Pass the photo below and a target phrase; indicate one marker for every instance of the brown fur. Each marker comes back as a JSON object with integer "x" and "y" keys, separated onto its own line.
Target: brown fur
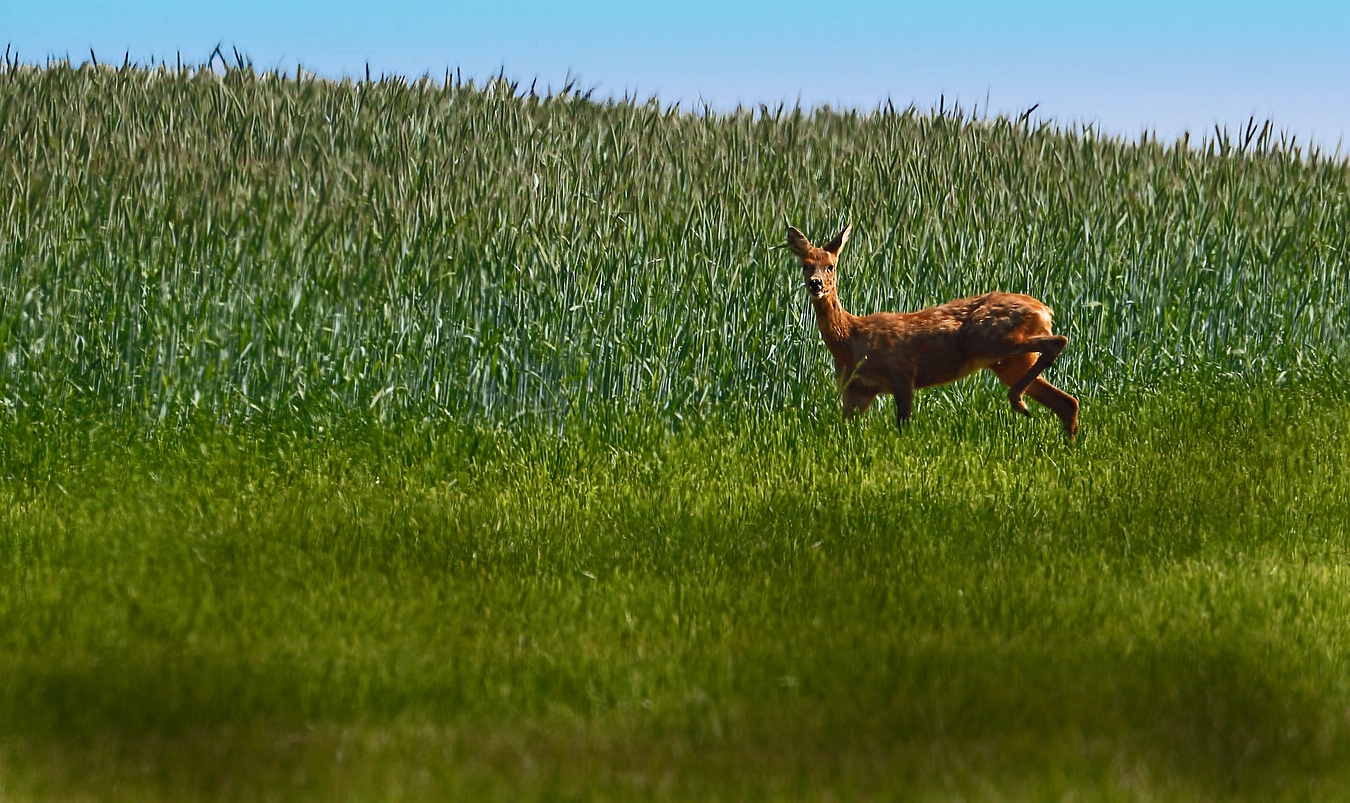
{"x": 889, "y": 352}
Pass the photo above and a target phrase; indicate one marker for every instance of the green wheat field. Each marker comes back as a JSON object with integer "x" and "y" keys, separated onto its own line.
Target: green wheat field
{"x": 406, "y": 440}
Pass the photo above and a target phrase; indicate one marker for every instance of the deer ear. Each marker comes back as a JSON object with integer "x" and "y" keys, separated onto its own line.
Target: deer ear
{"x": 798, "y": 243}
{"x": 837, "y": 244}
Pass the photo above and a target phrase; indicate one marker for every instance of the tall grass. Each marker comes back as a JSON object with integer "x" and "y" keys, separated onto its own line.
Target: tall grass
{"x": 182, "y": 242}
{"x": 342, "y": 453}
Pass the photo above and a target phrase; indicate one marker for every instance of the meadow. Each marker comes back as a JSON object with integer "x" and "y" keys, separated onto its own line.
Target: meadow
{"x": 424, "y": 439}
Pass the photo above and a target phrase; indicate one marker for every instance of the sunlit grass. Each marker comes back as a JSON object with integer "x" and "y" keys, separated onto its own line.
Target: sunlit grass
{"x": 797, "y": 606}
{"x": 260, "y": 245}
{"x": 400, "y": 440}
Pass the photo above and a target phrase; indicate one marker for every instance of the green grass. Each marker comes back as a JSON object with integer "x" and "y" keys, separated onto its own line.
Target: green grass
{"x": 400, "y": 441}
{"x": 793, "y": 608}
{"x": 260, "y": 247}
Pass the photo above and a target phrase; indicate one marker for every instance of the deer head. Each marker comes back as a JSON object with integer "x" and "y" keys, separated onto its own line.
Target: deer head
{"x": 818, "y": 264}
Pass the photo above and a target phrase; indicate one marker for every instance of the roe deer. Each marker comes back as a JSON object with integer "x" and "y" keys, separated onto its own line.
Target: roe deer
{"x": 889, "y": 352}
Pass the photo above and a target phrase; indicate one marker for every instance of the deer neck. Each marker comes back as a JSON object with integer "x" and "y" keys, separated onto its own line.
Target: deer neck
{"x": 835, "y": 324}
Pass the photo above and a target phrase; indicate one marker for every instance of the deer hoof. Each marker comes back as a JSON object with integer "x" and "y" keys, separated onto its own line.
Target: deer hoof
{"x": 1019, "y": 406}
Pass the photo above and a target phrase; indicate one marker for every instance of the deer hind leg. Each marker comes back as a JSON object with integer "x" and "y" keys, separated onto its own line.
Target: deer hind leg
{"x": 1048, "y": 347}
{"x": 1015, "y": 369}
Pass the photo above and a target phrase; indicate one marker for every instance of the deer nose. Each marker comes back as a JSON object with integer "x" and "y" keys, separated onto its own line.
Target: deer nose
{"x": 815, "y": 284}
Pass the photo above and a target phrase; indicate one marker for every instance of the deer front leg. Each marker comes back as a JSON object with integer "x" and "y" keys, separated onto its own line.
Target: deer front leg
{"x": 904, "y": 400}
{"x": 856, "y": 400}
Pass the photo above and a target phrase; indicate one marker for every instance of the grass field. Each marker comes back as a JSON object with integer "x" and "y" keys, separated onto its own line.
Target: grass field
{"x": 397, "y": 440}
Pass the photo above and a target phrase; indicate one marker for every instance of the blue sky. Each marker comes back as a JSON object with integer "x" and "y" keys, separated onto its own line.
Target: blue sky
{"x": 1125, "y": 67}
